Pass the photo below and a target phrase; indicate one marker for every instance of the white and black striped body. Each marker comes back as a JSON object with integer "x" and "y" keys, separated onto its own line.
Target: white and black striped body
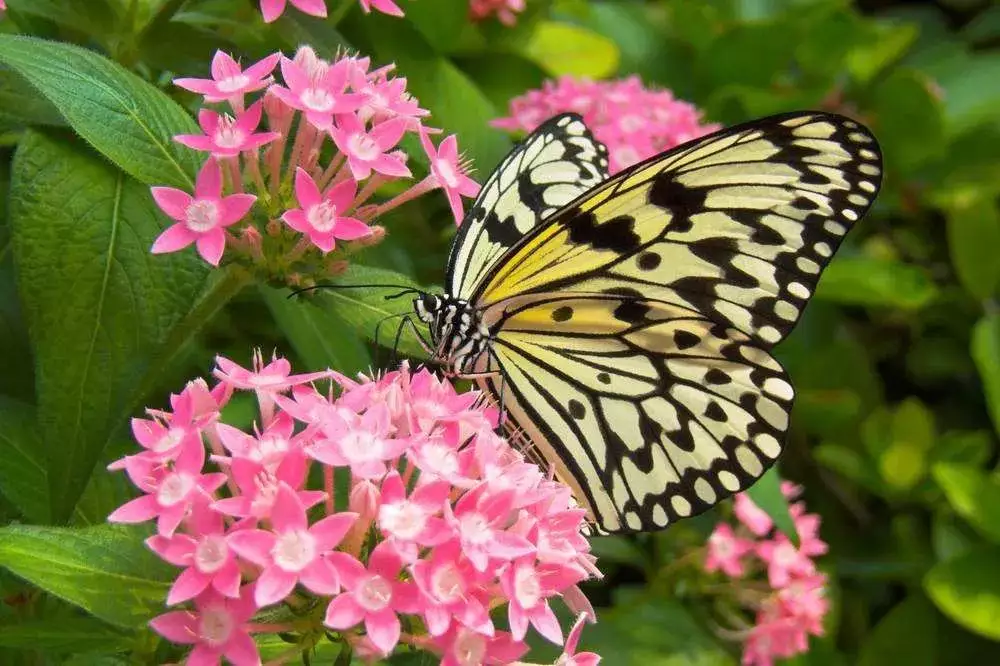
{"x": 458, "y": 336}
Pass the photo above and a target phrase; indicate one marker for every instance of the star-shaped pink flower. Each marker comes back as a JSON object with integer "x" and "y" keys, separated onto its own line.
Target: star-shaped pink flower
{"x": 321, "y": 217}
{"x": 225, "y": 136}
{"x": 229, "y": 80}
{"x": 366, "y": 150}
{"x": 272, "y": 9}
{"x": 448, "y": 172}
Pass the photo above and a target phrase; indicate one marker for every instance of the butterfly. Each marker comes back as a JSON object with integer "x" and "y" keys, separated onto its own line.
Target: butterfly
{"x": 625, "y": 323}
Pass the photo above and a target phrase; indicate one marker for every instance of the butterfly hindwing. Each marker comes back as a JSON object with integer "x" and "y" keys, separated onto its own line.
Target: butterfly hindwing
{"x": 737, "y": 225}
{"x": 650, "y": 411}
{"x": 552, "y": 166}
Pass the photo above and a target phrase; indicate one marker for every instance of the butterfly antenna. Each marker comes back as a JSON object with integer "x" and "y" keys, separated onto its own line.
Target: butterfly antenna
{"x": 404, "y": 289}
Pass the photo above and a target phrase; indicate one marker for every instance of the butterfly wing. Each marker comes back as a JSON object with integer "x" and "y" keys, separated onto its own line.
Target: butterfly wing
{"x": 691, "y": 266}
{"x": 554, "y": 165}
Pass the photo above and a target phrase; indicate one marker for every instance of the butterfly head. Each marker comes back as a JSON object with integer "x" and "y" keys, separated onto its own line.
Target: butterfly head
{"x": 458, "y": 335}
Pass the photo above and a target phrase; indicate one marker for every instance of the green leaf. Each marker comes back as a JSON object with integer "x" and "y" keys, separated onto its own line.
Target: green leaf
{"x": 106, "y": 570}
{"x": 849, "y": 464}
{"x": 127, "y": 120}
{"x": 320, "y": 336}
{"x": 910, "y": 120}
{"x": 885, "y": 43}
{"x": 967, "y": 589}
{"x": 65, "y": 636}
{"x": 21, "y": 105}
{"x": 363, "y": 309}
{"x": 22, "y": 465}
{"x": 971, "y": 96}
{"x": 906, "y": 636}
{"x": 440, "y": 22}
{"x": 986, "y": 354}
{"x": 97, "y": 17}
{"x": 766, "y": 493}
{"x": 876, "y": 282}
{"x": 966, "y": 447}
{"x": 903, "y": 462}
{"x": 973, "y": 238}
{"x": 100, "y": 308}
{"x": 564, "y": 49}
{"x": 973, "y": 495}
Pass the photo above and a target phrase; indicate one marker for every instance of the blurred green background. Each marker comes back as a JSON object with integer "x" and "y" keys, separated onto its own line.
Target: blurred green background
{"x": 896, "y": 361}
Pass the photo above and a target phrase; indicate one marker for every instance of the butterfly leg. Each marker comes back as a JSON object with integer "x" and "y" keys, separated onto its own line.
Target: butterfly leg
{"x": 378, "y": 328}
{"x": 408, "y": 321}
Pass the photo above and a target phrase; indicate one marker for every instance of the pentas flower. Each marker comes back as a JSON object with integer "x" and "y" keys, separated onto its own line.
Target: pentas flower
{"x": 789, "y": 604}
{"x": 298, "y": 149}
{"x": 505, "y": 11}
{"x": 272, "y": 9}
{"x": 633, "y": 121}
{"x": 443, "y": 521}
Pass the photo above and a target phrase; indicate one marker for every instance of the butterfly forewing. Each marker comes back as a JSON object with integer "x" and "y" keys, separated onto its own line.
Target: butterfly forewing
{"x": 554, "y": 165}
{"x": 632, "y": 328}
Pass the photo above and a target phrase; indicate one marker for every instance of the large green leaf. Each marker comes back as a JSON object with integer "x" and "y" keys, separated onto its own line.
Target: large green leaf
{"x": 910, "y": 121}
{"x": 878, "y": 282}
{"x": 967, "y": 589}
{"x": 22, "y": 463}
{"x": 974, "y": 496}
{"x": 64, "y": 636}
{"x": 973, "y": 238}
{"x": 106, "y": 570}
{"x": 907, "y": 636}
{"x": 100, "y": 308}
{"x": 564, "y": 49}
{"x": 127, "y": 120}
{"x": 986, "y": 354}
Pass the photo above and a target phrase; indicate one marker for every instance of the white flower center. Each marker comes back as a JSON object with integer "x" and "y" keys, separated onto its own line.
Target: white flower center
{"x": 446, "y": 174}
{"x": 404, "y": 520}
{"x": 475, "y": 528}
{"x": 441, "y": 459}
{"x": 361, "y": 446}
{"x": 374, "y": 594}
{"x": 227, "y": 135}
{"x": 174, "y": 489}
{"x": 363, "y": 147}
{"x": 527, "y": 588}
{"x": 447, "y": 584}
{"x": 215, "y": 626}
{"x": 723, "y": 547}
{"x": 171, "y": 439}
{"x": 232, "y": 83}
{"x": 322, "y": 216}
{"x": 202, "y": 215}
{"x": 469, "y": 648}
{"x": 785, "y": 555}
{"x": 317, "y": 99}
{"x": 211, "y": 553}
{"x": 269, "y": 449}
{"x": 294, "y": 550}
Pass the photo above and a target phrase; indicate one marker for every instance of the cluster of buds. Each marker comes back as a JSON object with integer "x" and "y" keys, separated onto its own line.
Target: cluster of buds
{"x": 633, "y": 121}
{"x": 438, "y": 522}
{"x": 298, "y": 187}
{"x": 773, "y": 579}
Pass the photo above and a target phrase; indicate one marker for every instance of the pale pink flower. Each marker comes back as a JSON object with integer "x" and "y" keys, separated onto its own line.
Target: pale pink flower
{"x": 505, "y": 10}
{"x": 218, "y": 627}
{"x": 453, "y": 589}
{"x": 225, "y": 136}
{"x": 229, "y": 81}
{"x": 317, "y": 91}
{"x": 752, "y": 516}
{"x": 201, "y": 219}
{"x": 569, "y": 656}
{"x": 272, "y": 9}
{"x": 480, "y": 519}
{"x": 448, "y": 172}
{"x": 362, "y": 443}
{"x": 385, "y": 98}
{"x": 265, "y": 380}
{"x": 528, "y": 585}
{"x": 384, "y": 6}
{"x": 784, "y": 560}
{"x": 320, "y": 216}
{"x": 726, "y": 551}
{"x": 170, "y": 490}
{"x": 461, "y": 646}
{"x": 258, "y": 487}
{"x": 205, "y": 554}
{"x": 374, "y": 596}
{"x": 409, "y": 523}
{"x": 293, "y": 552}
{"x": 366, "y": 150}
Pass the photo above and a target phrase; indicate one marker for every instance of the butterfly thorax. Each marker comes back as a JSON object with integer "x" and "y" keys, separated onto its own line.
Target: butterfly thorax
{"x": 458, "y": 335}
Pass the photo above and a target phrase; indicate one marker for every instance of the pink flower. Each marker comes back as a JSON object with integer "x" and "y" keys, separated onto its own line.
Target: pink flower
{"x": 272, "y": 9}
{"x": 217, "y": 628}
{"x": 384, "y": 98}
{"x": 225, "y": 136}
{"x": 752, "y": 516}
{"x": 366, "y": 149}
{"x": 465, "y": 647}
{"x": 505, "y": 10}
{"x": 229, "y": 81}
{"x": 293, "y": 552}
{"x": 259, "y": 486}
{"x": 265, "y": 380}
{"x": 319, "y": 217}
{"x": 528, "y": 586}
{"x": 784, "y": 560}
{"x": 480, "y": 519}
{"x": 452, "y": 587}
{"x": 360, "y": 442}
{"x": 726, "y": 551}
{"x": 170, "y": 490}
{"x": 206, "y": 556}
{"x": 318, "y": 91}
{"x": 200, "y": 219}
{"x": 570, "y": 657}
{"x": 409, "y": 523}
{"x": 374, "y": 595}
{"x": 448, "y": 173}
{"x": 384, "y": 6}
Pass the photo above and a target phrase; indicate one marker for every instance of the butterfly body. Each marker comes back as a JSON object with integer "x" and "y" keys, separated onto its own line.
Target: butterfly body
{"x": 626, "y": 322}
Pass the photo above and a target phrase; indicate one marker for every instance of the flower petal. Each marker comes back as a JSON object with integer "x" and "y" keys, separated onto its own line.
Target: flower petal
{"x": 343, "y": 612}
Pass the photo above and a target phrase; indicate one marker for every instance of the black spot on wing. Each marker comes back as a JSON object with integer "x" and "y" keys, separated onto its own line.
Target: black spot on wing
{"x": 617, "y": 234}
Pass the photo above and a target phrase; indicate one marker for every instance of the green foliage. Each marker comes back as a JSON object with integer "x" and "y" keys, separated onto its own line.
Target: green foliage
{"x": 896, "y": 362}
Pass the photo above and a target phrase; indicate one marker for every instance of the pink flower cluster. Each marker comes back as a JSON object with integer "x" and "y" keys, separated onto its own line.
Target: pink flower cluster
{"x": 633, "y": 121}
{"x": 506, "y": 11}
{"x": 792, "y": 603}
{"x": 442, "y": 520}
{"x": 272, "y": 9}
{"x": 332, "y": 137}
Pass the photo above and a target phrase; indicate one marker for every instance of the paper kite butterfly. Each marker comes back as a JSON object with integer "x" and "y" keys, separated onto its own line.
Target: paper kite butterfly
{"x": 626, "y": 322}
